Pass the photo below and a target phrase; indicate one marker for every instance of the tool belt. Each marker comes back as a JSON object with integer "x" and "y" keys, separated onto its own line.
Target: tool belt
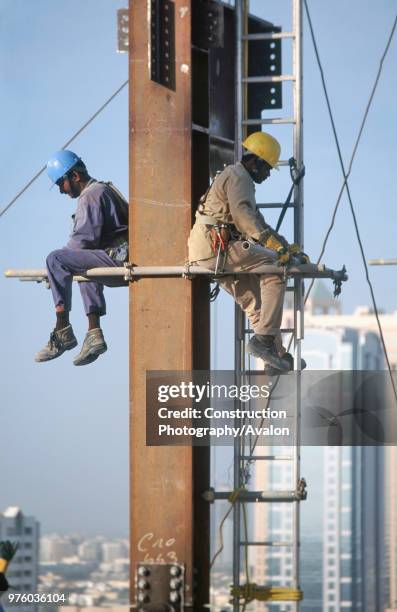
{"x": 220, "y": 236}
{"x": 220, "y": 233}
{"x": 119, "y": 249}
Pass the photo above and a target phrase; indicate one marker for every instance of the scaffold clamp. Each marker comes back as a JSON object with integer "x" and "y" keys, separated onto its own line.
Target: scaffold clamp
{"x": 301, "y": 490}
{"x": 187, "y": 273}
{"x": 129, "y": 272}
{"x": 340, "y": 276}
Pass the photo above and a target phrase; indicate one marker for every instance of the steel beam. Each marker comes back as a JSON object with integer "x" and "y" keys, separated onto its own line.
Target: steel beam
{"x": 169, "y": 518}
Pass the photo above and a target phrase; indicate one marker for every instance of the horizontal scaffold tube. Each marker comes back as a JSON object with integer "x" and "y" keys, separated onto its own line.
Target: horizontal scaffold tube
{"x": 130, "y": 272}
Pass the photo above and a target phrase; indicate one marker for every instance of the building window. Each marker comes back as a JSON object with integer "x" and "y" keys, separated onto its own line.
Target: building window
{"x": 274, "y": 566}
{"x": 27, "y": 573}
{"x": 346, "y": 520}
{"x": 27, "y": 545}
{"x": 27, "y": 559}
{"x": 28, "y": 530}
{"x": 345, "y": 590}
{"x": 11, "y": 531}
{"x": 275, "y": 521}
{"x": 346, "y": 569}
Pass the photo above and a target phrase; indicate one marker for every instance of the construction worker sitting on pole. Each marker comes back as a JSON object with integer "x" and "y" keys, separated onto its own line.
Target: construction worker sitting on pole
{"x": 231, "y": 235}
{"x": 99, "y": 239}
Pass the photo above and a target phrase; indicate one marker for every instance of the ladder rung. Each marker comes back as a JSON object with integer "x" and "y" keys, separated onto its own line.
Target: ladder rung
{"x": 275, "y": 205}
{"x": 200, "y": 128}
{"x": 200, "y": 49}
{"x": 275, "y": 121}
{"x": 204, "y": 130}
{"x": 275, "y": 543}
{"x": 267, "y": 457}
{"x": 257, "y": 496}
{"x": 269, "y": 36}
{"x": 269, "y": 79}
{"x": 283, "y": 330}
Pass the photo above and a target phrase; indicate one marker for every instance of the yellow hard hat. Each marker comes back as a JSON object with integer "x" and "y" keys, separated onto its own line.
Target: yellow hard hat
{"x": 265, "y": 146}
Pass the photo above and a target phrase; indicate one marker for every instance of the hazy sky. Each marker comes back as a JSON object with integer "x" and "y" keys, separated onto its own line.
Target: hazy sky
{"x": 64, "y": 430}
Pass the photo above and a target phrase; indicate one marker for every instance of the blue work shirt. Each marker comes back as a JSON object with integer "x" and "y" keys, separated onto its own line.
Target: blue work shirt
{"x": 101, "y": 217}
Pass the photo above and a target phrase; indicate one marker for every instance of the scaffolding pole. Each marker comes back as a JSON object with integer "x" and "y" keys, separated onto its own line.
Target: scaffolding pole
{"x": 136, "y": 272}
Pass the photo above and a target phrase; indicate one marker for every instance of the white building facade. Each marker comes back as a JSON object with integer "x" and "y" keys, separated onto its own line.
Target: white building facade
{"x": 348, "y": 568}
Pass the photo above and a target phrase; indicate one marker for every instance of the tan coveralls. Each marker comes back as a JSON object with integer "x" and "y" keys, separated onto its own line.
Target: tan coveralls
{"x": 231, "y": 199}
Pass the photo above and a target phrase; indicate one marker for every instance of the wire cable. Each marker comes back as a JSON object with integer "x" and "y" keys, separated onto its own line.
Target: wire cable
{"x": 83, "y": 127}
{"x": 359, "y": 133}
{"x": 345, "y": 176}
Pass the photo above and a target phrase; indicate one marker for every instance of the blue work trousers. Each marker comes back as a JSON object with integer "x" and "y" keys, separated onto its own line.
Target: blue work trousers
{"x": 62, "y": 264}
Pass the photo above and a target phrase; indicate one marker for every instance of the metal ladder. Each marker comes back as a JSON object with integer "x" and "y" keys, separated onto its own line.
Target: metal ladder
{"x": 242, "y": 365}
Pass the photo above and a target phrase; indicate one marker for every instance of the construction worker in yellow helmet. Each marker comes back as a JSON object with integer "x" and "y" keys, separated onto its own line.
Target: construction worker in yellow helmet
{"x": 231, "y": 235}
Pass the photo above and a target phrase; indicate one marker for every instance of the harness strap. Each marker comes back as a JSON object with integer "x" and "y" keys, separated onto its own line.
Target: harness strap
{"x": 296, "y": 178}
{"x": 202, "y": 219}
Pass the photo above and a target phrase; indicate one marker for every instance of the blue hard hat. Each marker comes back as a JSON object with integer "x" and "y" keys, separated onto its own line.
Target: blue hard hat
{"x": 60, "y": 163}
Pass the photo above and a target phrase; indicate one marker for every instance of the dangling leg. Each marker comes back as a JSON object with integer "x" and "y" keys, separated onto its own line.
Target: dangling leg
{"x": 95, "y": 307}
{"x": 62, "y": 337}
{"x": 62, "y": 264}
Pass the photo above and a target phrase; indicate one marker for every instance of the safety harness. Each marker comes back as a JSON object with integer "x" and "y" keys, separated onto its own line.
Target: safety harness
{"x": 118, "y": 251}
{"x": 296, "y": 177}
{"x": 222, "y": 233}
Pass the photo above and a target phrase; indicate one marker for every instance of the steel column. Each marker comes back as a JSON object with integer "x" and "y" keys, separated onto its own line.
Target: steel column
{"x": 169, "y": 519}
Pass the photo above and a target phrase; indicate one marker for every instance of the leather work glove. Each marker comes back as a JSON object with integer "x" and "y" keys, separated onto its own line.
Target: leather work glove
{"x": 283, "y": 257}
{"x": 300, "y": 256}
{"x": 276, "y": 242}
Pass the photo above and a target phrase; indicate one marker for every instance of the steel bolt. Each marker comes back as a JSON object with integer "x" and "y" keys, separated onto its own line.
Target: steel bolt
{"x": 143, "y": 584}
{"x": 142, "y": 598}
{"x": 175, "y": 570}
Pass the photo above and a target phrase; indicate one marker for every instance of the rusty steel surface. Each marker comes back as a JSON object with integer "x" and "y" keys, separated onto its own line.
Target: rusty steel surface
{"x": 167, "y": 511}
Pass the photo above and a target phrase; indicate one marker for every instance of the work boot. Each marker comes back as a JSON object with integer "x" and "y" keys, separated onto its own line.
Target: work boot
{"x": 287, "y": 358}
{"x": 94, "y": 345}
{"x": 263, "y": 347}
{"x": 61, "y": 340}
